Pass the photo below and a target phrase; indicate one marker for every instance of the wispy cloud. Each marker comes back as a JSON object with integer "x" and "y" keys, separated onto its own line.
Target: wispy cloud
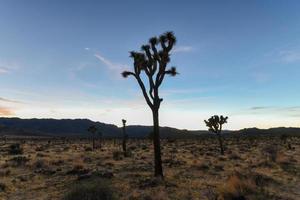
{"x": 9, "y": 100}
{"x": 261, "y": 77}
{"x": 180, "y": 49}
{"x": 3, "y": 70}
{"x": 290, "y": 56}
{"x": 183, "y": 91}
{"x": 291, "y": 111}
{"x": 7, "y": 67}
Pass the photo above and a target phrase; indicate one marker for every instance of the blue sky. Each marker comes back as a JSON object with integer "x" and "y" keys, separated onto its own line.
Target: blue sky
{"x": 62, "y": 59}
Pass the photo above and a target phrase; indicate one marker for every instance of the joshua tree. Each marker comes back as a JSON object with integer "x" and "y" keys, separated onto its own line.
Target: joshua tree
{"x": 215, "y": 124}
{"x": 153, "y": 60}
{"x": 93, "y": 130}
{"x": 125, "y": 136}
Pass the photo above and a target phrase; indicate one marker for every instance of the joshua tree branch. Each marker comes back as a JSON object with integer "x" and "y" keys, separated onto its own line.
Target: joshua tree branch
{"x": 142, "y": 86}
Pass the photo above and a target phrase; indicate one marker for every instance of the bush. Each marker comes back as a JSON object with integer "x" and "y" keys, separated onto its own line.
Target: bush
{"x": 94, "y": 189}
{"x": 117, "y": 155}
{"x": 2, "y": 187}
{"x": 19, "y": 161}
{"x": 271, "y": 152}
{"x": 88, "y": 149}
{"x": 15, "y": 149}
{"x": 40, "y": 164}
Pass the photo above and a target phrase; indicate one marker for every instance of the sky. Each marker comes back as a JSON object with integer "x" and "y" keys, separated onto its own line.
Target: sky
{"x": 63, "y": 59}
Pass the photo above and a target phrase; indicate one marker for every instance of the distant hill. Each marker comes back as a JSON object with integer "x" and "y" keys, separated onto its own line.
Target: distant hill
{"x": 78, "y": 127}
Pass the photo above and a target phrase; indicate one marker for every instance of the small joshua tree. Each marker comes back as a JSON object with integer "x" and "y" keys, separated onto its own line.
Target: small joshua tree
{"x": 125, "y": 136}
{"x": 93, "y": 130}
{"x": 215, "y": 124}
{"x": 153, "y": 60}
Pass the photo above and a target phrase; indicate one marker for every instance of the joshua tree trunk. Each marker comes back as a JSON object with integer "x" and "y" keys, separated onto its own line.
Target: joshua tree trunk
{"x": 124, "y": 140}
{"x": 221, "y": 143}
{"x": 158, "y": 172}
{"x": 93, "y": 142}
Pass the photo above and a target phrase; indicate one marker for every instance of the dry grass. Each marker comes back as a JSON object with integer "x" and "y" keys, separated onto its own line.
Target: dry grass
{"x": 194, "y": 169}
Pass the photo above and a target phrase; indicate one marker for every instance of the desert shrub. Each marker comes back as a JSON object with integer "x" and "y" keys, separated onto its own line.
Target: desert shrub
{"x": 4, "y": 172}
{"x": 128, "y": 153}
{"x": 88, "y": 149}
{"x": 15, "y": 149}
{"x": 2, "y": 187}
{"x": 234, "y": 156}
{"x": 19, "y": 161}
{"x": 78, "y": 169}
{"x": 237, "y": 188}
{"x": 57, "y": 162}
{"x": 93, "y": 189}
{"x": 271, "y": 152}
{"x": 40, "y": 148}
{"x": 39, "y": 164}
{"x": 117, "y": 155}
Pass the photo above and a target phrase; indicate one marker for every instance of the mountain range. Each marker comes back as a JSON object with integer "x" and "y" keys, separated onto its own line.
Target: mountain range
{"x": 78, "y": 128}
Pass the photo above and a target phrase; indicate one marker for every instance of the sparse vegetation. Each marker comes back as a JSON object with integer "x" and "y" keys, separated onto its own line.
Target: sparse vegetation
{"x": 194, "y": 169}
{"x": 94, "y": 189}
{"x": 15, "y": 149}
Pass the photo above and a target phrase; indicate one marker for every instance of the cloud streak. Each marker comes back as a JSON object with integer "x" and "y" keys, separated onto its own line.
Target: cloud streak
{"x": 111, "y": 65}
{"x": 290, "y": 56}
{"x": 291, "y": 111}
{"x": 9, "y": 100}
{"x": 7, "y": 67}
{"x": 183, "y": 49}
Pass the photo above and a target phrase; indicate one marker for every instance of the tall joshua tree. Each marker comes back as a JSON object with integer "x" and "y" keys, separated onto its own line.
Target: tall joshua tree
{"x": 215, "y": 124}
{"x": 124, "y": 137}
{"x": 93, "y": 130}
{"x": 152, "y": 60}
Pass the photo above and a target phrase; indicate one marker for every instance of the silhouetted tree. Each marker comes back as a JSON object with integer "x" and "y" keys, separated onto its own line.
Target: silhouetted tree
{"x": 93, "y": 130}
{"x": 100, "y": 134}
{"x": 215, "y": 124}
{"x": 3, "y": 137}
{"x": 153, "y": 60}
{"x": 125, "y": 136}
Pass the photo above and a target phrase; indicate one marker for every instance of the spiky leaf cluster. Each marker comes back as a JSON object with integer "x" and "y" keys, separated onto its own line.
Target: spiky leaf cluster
{"x": 215, "y": 123}
{"x": 153, "y": 60}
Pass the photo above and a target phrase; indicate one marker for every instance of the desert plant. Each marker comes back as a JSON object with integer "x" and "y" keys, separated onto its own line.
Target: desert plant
{"x": 100, "y": 135}
{"x": 117, "y": 155}
{"x": 125, "y": 136}
{"x": 2, "y": 187}
{"x": 153, "y": 62}
{"x": 271, "y": 151}
{"x": 15, "y": 149}
{"x": 94, "y": 189}
{"x": 215, "y": 124}
{"x": 93, "y": 130}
